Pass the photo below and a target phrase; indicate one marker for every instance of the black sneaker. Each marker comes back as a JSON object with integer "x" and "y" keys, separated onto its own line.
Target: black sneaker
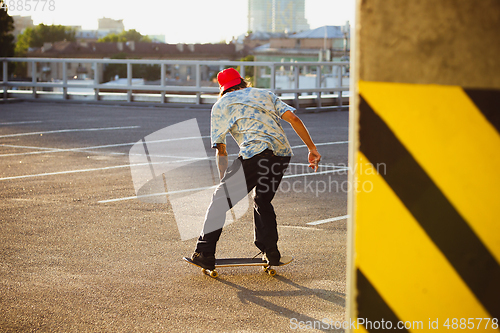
{"x": 205, "y": 260}
{"x": 272, "y": 257}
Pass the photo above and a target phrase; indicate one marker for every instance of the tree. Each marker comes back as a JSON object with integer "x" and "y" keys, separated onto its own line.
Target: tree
{"x": 111, "y": 70}
{"x": 131, "y": 35}
{"x": 6, "y": 37}
{"x": 37, "y": 36}
{"x": 249, "y": 70}
{"x": 147, "y": 72}
{"x": 111, "y": 38}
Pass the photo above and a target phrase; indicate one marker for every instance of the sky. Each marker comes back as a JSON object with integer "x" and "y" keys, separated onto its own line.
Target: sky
{"x": 181, "y": 21}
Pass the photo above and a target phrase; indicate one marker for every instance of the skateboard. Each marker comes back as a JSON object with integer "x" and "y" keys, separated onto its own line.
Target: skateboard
{"x": 236, "y": 262}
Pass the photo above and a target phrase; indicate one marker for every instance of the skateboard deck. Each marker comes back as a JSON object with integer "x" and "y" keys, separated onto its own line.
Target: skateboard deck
{"x": 236, "y": 262}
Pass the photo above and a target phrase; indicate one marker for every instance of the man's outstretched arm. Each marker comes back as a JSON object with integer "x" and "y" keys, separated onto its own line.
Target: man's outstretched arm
{"x": 222, "y": 159}
{"x": 298, "y": 126}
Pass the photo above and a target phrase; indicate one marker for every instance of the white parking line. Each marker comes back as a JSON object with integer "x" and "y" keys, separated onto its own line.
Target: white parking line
{"x": 86, "y": 149}
{"x": 204, "y": 188}
{"x": 21, "y": 122}
{"x": 93, "y": 169}
{"x": 158, "y": 194}
{"x": 52, "y": 150}
{"x": 65, "y": 172}
{"x": 69, "y": 130}
{"x": 299, "y": 227}
{"x": 45, "y": 150}
{"x": 338, "y": 218}
{"x": 129, "y": 165}
{"x": 28, "y": 147}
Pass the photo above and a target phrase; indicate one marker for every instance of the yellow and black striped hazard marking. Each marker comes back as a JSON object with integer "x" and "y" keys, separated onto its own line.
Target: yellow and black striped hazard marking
{"x": 427, "y": 214}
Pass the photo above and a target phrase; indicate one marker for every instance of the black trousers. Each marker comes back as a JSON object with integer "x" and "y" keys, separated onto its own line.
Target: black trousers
{"x": 263, "y": 172}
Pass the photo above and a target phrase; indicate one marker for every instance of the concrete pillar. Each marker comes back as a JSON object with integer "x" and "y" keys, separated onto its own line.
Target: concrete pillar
{"x": 424, "y": 237}
{"x": 451, "y": 42}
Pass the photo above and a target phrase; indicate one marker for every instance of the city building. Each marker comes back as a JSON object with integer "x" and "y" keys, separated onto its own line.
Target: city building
{"x": 21, "y": 23}
{"x": 89, "y": 35}
{"x": 257, "y": 38}
{"x": 277, "y": 16}
{"x": 327, "y": 43}
{"x": 110, "y": 26}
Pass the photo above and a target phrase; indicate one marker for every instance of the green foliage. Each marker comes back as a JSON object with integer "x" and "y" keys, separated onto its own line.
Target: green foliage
{"x": 249, "y": 70}
{"x": 146, "y": 72}
{"x": 249, "y": 57}
{"x": 6, "y": 37}
{"x": 23, "y": 42}
{"x": 37, "y": 36}
{"x": 111, "y": 38}
{"x": 131, "y": 35}
{"x": 111, "y": 70}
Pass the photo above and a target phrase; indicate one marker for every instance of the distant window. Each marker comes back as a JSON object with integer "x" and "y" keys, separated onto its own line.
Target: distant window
{"x": 68, "y": 65}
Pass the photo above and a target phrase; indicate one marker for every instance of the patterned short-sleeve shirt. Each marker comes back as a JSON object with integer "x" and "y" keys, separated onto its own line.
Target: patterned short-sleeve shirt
{"x": 252, "y": 117}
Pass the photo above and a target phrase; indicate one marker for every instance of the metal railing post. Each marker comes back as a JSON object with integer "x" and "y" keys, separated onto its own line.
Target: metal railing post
{"x": 339, "y": 94}
{"x": 129, "y": 82}
{"x": 5, "y": 79}
{"x": 242, "y": 71}
{"x": 255, "y": 75}
{"x": 198, "y": 82}
{"x": 340, "y": 75}
{"x": 33, "y": 77}
{"x": 296, "y": 74}
{"x": 96, "y": 81}
{"x": 162, "y": 84}
{"x": 65, "y": 81}
{"x": 318, "y": 85}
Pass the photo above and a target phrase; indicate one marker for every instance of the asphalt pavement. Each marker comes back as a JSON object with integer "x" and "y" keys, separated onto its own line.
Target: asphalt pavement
{"x": 80, "y": 253}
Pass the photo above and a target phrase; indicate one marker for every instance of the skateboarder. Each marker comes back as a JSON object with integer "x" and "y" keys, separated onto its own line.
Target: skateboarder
{"x": 252, "y": 117}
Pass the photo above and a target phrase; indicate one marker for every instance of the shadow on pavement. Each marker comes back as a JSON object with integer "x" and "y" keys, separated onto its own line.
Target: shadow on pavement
{"x": 246, "y": 295}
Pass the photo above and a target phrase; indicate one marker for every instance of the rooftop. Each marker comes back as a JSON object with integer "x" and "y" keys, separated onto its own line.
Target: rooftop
{"x": 330, "y": 31}
{"x": 137, "y": 49}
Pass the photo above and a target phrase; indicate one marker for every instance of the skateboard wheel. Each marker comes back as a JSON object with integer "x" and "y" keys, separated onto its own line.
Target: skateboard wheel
{"x": 213, "y": 274}
{"x": 271, "y": 272}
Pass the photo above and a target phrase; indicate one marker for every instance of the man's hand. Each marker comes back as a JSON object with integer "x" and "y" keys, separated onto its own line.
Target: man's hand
{"x": 314, "y": 157}
{"x": 222, "y": 159}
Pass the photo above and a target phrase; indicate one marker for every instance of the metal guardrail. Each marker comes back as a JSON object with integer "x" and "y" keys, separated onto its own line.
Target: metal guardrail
{"x": 320, "y": 95}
